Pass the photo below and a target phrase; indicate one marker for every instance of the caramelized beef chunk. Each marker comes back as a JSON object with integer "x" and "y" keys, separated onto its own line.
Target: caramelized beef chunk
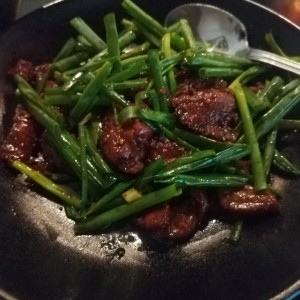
{"x": 124, "y": 146}
{"x": 206, "y": 107}
{"x": 246, "y": 202}
{"x": 177, "y": 220}
{"x": 26, "y": 69}
{"x": 23, "y": 68}
{"x": 160, "y": 146}
{"x": 22, "y": 139}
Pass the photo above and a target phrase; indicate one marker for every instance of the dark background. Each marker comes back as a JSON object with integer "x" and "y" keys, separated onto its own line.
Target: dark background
{"x": 14, "y": 9}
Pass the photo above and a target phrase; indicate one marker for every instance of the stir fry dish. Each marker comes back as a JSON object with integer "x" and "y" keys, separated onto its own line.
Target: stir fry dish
{"x": 148, "y": 125}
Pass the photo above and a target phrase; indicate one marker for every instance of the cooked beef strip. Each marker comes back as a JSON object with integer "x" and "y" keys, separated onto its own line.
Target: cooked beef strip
{"x": 177, "y": 219}
{"x": 246, "y": 202}
{"x": 22, "y": 139}
{"x": 31, "y": 73}
{"x": 23, "y": 68}
{"x": 160, "y": 146}
{"x": 206, "y": 107}
{"x": 124, "y": 146}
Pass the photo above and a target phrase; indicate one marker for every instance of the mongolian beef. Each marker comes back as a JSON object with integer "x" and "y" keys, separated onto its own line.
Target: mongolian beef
{"x": 148, "y": 124}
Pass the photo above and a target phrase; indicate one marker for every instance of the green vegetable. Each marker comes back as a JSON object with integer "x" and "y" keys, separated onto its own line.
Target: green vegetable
{"x": 47, "y": 184}
{"x": 82, "y": 28}
{"x": 112, "y": 40}
{"x": 259, "y": 178}
{"x": 188, "y": 34}
{"x": 70, "y": 61}
{"x": 208, "y": 159}
{"x": 272, "y": 89}
{"x": 116, "y": 191}
{"x": 283, "y": 163}
{"x": 271, "y": 118}
{"x": 219, "y": 72}
{"x": 205, "y": 180}
{"x": 168, "y": 53}
{"x": 269, "y": 151}
{"x": 126, "y": 210}
{"x": 159, "y": 85}
{"x": 86, "y": 100}
{"x": 141, "y": 16}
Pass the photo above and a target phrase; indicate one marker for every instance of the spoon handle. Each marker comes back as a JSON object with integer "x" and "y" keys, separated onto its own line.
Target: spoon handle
{"x": 275, "y": 60}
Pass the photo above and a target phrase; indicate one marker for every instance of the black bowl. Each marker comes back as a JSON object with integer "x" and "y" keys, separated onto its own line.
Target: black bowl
{"x": 42, "y": 259}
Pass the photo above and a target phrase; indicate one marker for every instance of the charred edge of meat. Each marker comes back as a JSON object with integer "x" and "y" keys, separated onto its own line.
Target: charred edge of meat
{"x": 207, "y": 107}
{"x": 246, "y": 203}
{"x": 161, "y": 147}
{"x": 21, "y": 142}
{"x": 31, "y": 73}
{"x": 177, "y": 220}
{"x": 124, "y": 146}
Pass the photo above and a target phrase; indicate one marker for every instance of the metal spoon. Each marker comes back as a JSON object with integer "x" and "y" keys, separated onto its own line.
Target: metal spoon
{"x": 225, "y": 32}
